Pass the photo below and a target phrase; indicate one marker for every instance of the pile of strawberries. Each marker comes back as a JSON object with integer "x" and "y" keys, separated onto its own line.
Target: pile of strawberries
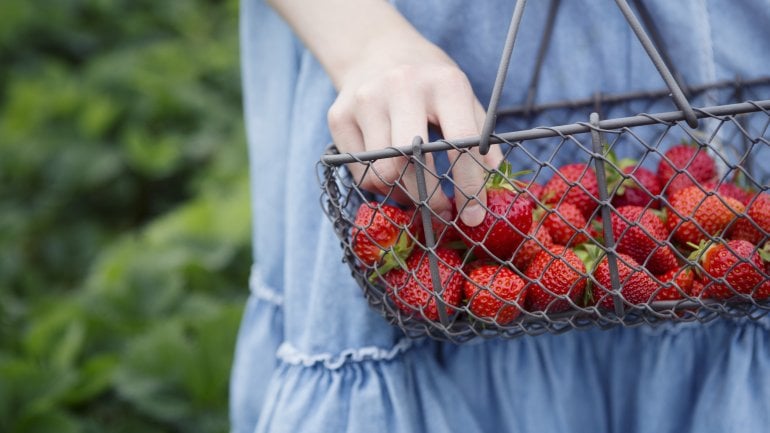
{"x": 679, "y": 233}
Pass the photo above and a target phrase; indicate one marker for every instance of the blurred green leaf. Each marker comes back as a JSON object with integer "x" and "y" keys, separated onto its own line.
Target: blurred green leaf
{"x": 124, "y": 216}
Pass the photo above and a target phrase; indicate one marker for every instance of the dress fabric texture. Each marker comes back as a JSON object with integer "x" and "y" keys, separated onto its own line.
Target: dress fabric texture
{"x": 313, "y": 357}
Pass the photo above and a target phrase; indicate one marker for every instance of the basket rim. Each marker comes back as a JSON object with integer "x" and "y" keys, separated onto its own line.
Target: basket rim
{"x": 333, "y": 158}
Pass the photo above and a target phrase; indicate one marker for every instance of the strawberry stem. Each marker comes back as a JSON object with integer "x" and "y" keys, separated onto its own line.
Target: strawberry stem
{"x": 394, "y": 257}
{"x": 504, "y": 176}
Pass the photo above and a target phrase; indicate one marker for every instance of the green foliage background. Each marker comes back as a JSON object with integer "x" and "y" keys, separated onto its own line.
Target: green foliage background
{"x": 124, "y": 216}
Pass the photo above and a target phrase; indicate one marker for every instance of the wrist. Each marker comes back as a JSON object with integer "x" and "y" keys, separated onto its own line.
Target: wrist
{"x": 342, "y": 34}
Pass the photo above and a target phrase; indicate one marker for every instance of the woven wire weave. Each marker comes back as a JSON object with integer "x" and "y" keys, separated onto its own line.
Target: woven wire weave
{"x": 734, "y": 130}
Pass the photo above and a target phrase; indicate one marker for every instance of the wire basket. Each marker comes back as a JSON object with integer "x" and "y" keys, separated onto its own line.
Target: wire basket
{"x": 619, "y": 222}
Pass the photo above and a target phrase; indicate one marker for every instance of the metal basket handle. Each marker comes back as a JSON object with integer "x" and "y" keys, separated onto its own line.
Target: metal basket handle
{"x": 518, "y": 11}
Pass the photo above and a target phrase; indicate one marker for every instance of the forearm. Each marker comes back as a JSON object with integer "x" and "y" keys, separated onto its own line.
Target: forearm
{"x": 337, "y": 32}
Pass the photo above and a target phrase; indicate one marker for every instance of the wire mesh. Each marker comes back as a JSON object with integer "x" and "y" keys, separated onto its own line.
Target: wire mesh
{"x": 626, "y": 221}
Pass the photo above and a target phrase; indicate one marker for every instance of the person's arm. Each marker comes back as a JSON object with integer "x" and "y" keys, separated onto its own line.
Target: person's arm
{"x": 392, "y": 83}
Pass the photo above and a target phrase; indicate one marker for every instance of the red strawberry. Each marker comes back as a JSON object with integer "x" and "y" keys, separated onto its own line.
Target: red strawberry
{"x": 727, "y": 189}
{"x": 738, "y": 262}
{"x": 507, "y": 221}
{"x": 638, "y": 190}
{"x": 681, "y": 160}
{"x": 763, "y": 291}
{"x": 643, "y": 238}
{"x": 575, "y": 184}
{"x": 539, "y": 240}
{"x": 444, "y": 232}
{"x": 489, "y": 291}
{"x": 532, "y": 189}
{"x": 596, "y": 229}
{"x": 677, "y": 277}
{"x": 698, "y": 286}
{"x": 377, "y": 228}
{"x": 709, "y": 211}
{"x": 758, "y": 211}
{"x": 636, "y": 285}
{"x": 560, "y": 272}
{"x": 560, "y": 225}
{"x": 412, "y": 289}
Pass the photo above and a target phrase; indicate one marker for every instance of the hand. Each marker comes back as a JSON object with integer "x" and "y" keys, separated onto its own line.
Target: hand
{"x": 399, "y": 84}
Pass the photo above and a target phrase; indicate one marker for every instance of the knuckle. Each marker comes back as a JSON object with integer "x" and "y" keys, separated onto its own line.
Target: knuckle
{"x": 469, "y": 186}
{"x": 469, "y": 179}
{"x": 338, "y": 117}
{"x": 401, "y": 75}
{"x": 453, "y": 77}
{"x": 366, "y": 95}
{"x": 369, "y": 183}
{"x": 386, "y": 171}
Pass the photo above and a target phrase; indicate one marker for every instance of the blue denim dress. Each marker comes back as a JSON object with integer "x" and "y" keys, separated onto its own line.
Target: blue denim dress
{"x": 313, "y": 357}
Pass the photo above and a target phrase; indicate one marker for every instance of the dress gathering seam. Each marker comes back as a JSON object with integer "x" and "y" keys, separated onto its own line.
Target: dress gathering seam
{"x": 291, "y": 355}
{"x": 261, "y": 290}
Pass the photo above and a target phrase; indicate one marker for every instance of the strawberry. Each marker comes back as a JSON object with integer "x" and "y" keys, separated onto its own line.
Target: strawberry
{"x": 762, "y": 292}
{"x": 561, "y": 222}
{"x": 532, "y": 189}
{"x": 575, "y": 184}
{"x": 711, "y": 213}
{"x": 596, "y": 229}
{"x": 489, "y": 291}
{"x": 698, "y": 285}
{"x": 677, "y": 277}
{"x": 727, "y": 189}
{"x": 636, "y": 285}
{"x": 642, "y": 238}
{"x": 507, "y": 221}
{"x": 411, "y": 289}
{"x": 444, "y": 232}
{"x": 558, "y": 272}
{"x": 639, "y": 189}
{"x": 535, "y": 191}
{"x": 379, "y": 232}
{"x": 539, "y": 239}
{"x": 758, "y": 212}
{"x": 737, "y": 262}
{"x": 681, "y": 160}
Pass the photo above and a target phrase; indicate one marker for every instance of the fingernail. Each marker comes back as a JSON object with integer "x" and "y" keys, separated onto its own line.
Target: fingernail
{"x": 473, "y": 214}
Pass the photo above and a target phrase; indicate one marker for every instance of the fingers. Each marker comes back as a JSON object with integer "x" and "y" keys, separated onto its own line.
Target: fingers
{"x": 456, "y": 111}
{"x": 392, "y": 113}
{"x": 375, "y": 128}
{"x": 346, "y": 136}
{"x": 408, "y": 119}
{"x": 346, "y": 126}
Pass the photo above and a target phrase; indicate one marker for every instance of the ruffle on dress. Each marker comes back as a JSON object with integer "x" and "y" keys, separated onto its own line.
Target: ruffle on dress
{"x": 260, "y": 334}
{"x": 398, "y": 389}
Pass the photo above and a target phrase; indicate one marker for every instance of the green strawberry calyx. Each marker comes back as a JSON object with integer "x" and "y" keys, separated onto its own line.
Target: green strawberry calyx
{"x": 505, "y": 178}
{"x": 617, "y": 181}
{"x": 660, "y": 213}
{"x": 591, "y": 255}
{"x": 764, "y": 252}
{"x": 394, "y": 257}
{"x": 598, "y": 227}
{"x": 700, "y": 254}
